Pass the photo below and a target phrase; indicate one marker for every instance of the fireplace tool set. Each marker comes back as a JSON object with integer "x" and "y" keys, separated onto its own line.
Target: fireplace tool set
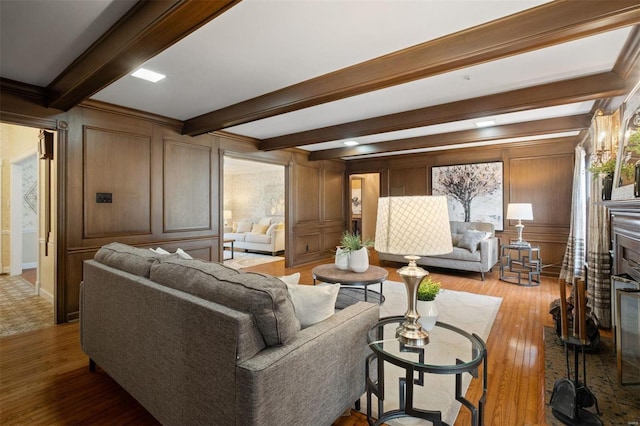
{"x": 570, "y": 396}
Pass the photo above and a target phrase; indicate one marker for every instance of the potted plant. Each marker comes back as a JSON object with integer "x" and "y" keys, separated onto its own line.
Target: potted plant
{"x": 354, "y": 249}
{"x": 426, "y": 302}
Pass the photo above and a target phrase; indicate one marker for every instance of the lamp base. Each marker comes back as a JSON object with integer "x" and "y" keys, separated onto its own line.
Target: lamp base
{"x": 411, "y": 333}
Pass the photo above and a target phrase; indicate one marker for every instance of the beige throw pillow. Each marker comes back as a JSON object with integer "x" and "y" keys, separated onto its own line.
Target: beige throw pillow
{"x": 258, "y": 228}
{"x": 293, "y": 279}
{"x": 313, "y": 303}
{"x": 244, "y": 227}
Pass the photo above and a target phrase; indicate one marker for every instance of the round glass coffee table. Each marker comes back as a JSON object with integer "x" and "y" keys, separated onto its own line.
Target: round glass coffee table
{"x": 411, "y": 379}
{"x": 330, "y": 274}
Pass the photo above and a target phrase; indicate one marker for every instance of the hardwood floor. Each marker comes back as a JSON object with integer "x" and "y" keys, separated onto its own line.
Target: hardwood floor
{"x": 44, "y": 376}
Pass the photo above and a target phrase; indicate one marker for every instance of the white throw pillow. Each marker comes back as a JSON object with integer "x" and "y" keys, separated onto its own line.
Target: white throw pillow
{"x": 265, "y": 221}
{"x": 292, "y": 279}
{"x": 244, "y": 227}
{"x": 159, "y": 250}
{"x": 183, "y": 254}
{"x": 471, "y": 238}
{"x": 313, "y": 303}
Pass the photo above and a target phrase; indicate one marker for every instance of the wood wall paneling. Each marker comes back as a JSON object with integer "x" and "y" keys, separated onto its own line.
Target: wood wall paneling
{"x": 187, "y": 187}
{"x": 546, "y": 183}
{"x": 120, "y": 164}
{"x": 334, "y": 189}
{"x": 307, "y": 193}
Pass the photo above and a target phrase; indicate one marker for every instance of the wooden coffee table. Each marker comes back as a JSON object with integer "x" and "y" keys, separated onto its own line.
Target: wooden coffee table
{"x": 330, "y": 274}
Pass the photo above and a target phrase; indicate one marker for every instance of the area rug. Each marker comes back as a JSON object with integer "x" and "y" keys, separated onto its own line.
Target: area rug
{"x": 473, "y": 313}
{"x": 619, "y": 405}
{"x": 21, "y": 309}
{"x": 245, "y": 260}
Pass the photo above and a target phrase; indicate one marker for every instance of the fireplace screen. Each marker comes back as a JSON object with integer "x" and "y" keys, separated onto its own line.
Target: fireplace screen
{"x": 628, "y": 335}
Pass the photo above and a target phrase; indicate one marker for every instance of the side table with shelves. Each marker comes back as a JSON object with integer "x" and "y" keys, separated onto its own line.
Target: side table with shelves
{"x": 520, "y": 264}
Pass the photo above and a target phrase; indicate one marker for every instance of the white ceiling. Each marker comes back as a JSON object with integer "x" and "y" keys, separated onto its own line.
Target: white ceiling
{"x": 259, "y": 46}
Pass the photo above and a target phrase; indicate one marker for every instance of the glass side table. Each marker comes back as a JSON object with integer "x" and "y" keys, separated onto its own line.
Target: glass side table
{"x": 417, "y": 374}
{"x": 520, "y": 264}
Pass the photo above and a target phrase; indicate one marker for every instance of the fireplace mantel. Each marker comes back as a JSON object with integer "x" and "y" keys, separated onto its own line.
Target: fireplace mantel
{"x": 625, "y": 236}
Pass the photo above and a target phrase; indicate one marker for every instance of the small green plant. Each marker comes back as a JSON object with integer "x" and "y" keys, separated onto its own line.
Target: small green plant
{"x": 352, "y": 242}
{"x": 428, "y": 289}
{"x": 609, "y": 168}
{"x": 606, "y": 168}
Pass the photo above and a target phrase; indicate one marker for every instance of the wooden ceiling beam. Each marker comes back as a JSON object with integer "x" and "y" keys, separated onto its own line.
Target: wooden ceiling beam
{"x": 529, "y": 128}
{"x": 146, "y": 30}
{"x": 552, "y": 23}
{"x": 580, "y": 89}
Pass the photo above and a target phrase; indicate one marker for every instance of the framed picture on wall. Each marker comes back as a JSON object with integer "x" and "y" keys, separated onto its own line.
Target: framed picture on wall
{"x": 474, "y": 191}
{"x": 356, "y": 201}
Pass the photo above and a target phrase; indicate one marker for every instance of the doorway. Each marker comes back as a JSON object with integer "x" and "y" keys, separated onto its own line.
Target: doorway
{"x": 28, "y": 269}
{"x": 254, "y": 192}
{"x": 364, "y": 191}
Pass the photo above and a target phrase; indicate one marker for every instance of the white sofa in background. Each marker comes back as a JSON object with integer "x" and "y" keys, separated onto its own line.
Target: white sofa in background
{"x": 264, "y": 235}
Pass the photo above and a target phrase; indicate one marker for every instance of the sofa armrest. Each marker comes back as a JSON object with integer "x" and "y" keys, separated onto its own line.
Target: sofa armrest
{"x": 326, "y": 362}
{"x": 488, "y": 253}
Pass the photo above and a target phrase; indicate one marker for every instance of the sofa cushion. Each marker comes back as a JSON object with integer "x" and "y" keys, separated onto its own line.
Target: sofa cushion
{"x": 258, "y": 238}
{"x": 460, "y": 254}
{"x": 471, "y": 239}
{"x": 313, "y": 303}
{"x": 264, "y": 297}
{"x": 235, "y": 236}
{"x": 130, "y": 259}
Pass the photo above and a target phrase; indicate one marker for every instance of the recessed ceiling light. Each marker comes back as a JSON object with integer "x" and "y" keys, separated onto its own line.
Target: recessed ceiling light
{"x": 486, "y": 123}
{"x": 148, "y": 75}
{"x": 351, "y": 143}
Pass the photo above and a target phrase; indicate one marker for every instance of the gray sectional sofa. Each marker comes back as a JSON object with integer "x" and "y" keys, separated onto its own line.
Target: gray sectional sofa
{"x": 465, "y": 255}
{"x": 199, "y": 343}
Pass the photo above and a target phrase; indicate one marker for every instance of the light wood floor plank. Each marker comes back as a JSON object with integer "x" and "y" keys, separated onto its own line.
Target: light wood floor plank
{"x": 44, "y": 377}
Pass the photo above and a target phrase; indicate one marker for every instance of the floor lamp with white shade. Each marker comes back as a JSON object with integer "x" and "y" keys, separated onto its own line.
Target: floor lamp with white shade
{"x": 413, "y": 227}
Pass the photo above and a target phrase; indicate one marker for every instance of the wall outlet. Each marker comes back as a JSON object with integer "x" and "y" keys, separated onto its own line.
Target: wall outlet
{"x": 104, "y": 197}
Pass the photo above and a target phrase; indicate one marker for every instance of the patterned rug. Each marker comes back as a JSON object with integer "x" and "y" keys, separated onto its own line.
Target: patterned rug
{"x": 21, "y": 309}
{"x": 245, "y": 260}
{"x": 619, "y": 405}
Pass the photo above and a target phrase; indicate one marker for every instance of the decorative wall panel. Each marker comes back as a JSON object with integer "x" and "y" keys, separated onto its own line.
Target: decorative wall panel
{"x": 333, "y": 194}
{"x": 187, "y": 187}
{"x": 307, "y": 194}
{"x": 119, "y": 164}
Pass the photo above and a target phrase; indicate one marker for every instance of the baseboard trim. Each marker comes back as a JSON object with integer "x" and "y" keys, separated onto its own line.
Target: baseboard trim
{"x": 30, "y": 265}
{"x": 46, "y": 295}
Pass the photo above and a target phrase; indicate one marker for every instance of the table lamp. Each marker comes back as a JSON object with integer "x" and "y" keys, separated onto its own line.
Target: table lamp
{"x": 413, "y": 227}
{"x": 520, "y": 211}
{"x": 226, "y": 214}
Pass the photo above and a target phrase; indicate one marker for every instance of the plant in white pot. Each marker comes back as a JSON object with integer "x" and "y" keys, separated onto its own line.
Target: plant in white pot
{"x": 426, "y": 303}
{"x": 356, "y": 250}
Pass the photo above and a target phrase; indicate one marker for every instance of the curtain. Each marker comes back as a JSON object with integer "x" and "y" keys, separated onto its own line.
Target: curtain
{"x": 574, "y": 255}
{"x": 598, "y": 232}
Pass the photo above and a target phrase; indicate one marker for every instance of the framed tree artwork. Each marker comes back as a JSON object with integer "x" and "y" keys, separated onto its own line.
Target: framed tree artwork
{"x": 474, "y": 191}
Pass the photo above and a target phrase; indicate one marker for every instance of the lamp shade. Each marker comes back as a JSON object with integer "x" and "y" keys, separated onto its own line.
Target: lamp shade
{"x": 416, "y": 226}
{"x": 226, "y": 214}
{"x": 522, "y": 211}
